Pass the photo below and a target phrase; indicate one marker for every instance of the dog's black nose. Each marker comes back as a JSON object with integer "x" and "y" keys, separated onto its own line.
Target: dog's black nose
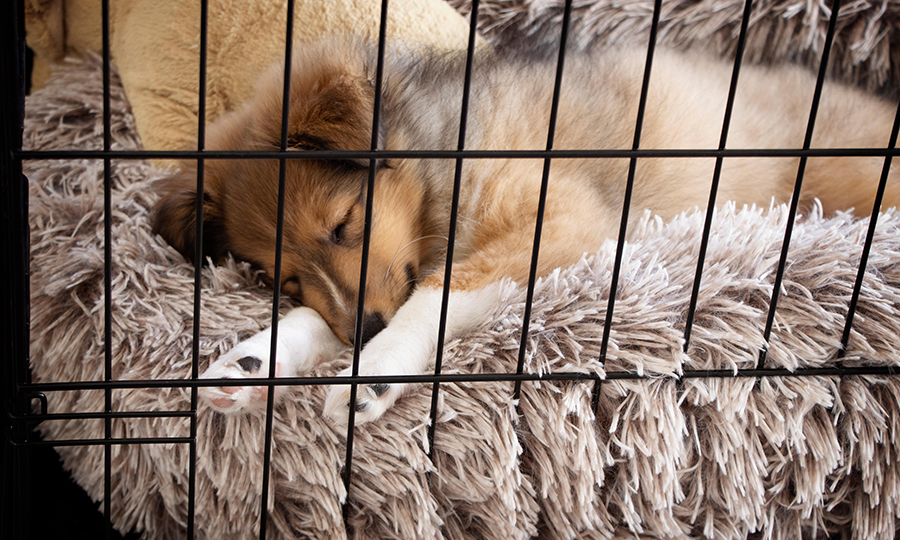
{"x": 372, "y": 324}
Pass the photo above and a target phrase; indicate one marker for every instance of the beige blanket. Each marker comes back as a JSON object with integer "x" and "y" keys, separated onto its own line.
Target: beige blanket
{"x": 156, "y": 47}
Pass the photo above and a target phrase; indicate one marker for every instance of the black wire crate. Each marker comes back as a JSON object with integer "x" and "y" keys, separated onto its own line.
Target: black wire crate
{"x": 129, "y": 412}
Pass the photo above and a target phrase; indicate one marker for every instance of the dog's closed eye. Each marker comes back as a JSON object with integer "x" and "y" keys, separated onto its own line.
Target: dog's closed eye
{"x": 304, "y": 141}
{"x": 337, "y": 235}
{"x": 339, "y": 232}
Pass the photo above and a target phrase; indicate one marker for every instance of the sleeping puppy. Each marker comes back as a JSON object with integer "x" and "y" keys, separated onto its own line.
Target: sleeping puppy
{"x": 332, "y": 98}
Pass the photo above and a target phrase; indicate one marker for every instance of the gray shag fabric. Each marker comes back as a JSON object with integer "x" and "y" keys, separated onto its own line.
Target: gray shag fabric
{"x": 866, "y": 49}
{"x": 701, "y": 458}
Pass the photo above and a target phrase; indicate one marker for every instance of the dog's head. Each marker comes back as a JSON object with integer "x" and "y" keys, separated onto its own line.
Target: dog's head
{"x": 331, "y": 106}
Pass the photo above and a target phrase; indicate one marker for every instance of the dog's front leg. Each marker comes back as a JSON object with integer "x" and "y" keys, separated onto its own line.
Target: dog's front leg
{"x": 304, "y": 340}
{"x": 408, "y": 345}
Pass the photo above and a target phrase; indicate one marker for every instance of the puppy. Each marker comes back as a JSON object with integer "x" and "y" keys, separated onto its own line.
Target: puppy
{"x": 332, "y": 97}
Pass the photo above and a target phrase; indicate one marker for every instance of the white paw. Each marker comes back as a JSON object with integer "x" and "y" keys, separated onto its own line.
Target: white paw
{"x": 372, "y": 400}
{"x": 397, "y": 350}
{"x": 407, "y": 347}
{"x": 304, "y": 340}
{"x": 249, "y": 359}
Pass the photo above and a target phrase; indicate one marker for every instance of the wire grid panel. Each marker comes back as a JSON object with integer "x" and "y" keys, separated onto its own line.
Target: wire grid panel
{"x": 26, "y": 396}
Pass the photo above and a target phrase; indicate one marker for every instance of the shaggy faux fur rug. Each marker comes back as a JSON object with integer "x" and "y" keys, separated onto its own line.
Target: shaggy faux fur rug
{"x": 701, "y": 458}
{"x": 866, "y": 47}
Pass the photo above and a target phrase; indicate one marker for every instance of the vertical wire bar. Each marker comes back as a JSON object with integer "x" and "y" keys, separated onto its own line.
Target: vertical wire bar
{"x": 801, "y": 169}
{"x": 107, "y": 276}
{"x": 454, "y": 211}
{"x": 364, "y": 264}
{"x": 714, "y": 188}
{"x": 17, "y": 486}
{"x": 198, "y": 258}
{"x": 279, "y": 248}
{"x": 542, "y": 200}
{"x": 870, "y": 236}
{"x": 626, "y": 204}
{"x": 15, "y": 188}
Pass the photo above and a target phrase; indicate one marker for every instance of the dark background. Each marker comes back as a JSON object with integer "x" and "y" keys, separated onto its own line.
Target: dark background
{"x": 59, "y": 507}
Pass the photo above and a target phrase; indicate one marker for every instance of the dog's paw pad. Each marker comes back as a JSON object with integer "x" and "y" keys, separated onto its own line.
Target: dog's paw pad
{"x": 378, "y": 389}
{"x": 372, "y": 400}
{"x": 250, "y": 364}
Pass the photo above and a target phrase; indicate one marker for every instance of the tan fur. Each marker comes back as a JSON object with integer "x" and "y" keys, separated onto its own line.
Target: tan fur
{"x": 331, "y": 108}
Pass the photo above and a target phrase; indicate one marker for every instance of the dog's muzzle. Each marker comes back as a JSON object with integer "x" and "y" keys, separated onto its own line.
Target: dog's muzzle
{"x": 372, "y": 324}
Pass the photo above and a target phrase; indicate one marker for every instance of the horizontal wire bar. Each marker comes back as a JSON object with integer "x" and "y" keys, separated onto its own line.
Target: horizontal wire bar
{"x": 482, "y": 377}
{"x": 102, "y": 415}
{"x": 457, "y": 154}
{"x": 104, "y": 442}
{"x": 455, "y": 377}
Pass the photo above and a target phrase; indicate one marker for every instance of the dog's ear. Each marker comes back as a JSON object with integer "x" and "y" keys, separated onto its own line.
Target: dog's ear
{"x": 175, "y": 214}
{"x": 336, "y": 114}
